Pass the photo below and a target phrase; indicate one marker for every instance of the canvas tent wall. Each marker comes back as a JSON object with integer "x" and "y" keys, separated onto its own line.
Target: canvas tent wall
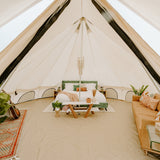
{"x": 8, "y": 55}
{"x": 10, "y": 9}
{"x": 54, "y": 57}
{"x": 151, "y": 56}
{"x": 148, "y": 9}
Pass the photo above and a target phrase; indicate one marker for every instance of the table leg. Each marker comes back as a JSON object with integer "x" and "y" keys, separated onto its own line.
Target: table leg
{"x": 89, "y": 109}
{"x": 72, "y": 110}
{"x": 146, "y": 152}
{"x": 92, "y": 112}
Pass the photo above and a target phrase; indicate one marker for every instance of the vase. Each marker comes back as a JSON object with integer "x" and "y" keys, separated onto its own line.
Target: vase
{"x": 57, "y": 110}
{"x": 94, "y": 94}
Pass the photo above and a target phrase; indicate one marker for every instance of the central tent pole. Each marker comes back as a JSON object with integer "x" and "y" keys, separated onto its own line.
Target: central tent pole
{"x": 81, "y": 58}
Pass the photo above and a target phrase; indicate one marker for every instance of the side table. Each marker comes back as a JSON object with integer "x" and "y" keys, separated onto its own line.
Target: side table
{"x": 103, "y": 92}
{"x": 154, "y": 137}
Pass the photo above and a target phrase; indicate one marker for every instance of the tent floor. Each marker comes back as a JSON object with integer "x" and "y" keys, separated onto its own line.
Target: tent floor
{"x": 99, "y": 137}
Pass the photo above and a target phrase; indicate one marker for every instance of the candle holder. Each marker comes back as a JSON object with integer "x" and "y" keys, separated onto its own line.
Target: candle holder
{"x": 94, "y": 94}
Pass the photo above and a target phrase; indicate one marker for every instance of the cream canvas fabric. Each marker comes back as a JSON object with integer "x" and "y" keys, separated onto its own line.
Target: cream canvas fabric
{"x": 9, "y": 9}
{"x": 152, "y": 57}
{"x": 148, "y": 9}
{"x": 19, "y": 43}
{"x": 107, "y": 58}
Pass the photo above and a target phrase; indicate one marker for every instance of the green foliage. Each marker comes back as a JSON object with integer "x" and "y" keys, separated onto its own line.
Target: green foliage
{"x": 140, "y": 91}
{"x": 57, "y": 104}
{"x": 4, "y": 105}
{"x": 2, "y": 119}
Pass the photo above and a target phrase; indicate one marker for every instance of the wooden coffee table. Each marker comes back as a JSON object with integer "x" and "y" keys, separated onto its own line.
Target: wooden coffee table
{"x": 80, "y": 104}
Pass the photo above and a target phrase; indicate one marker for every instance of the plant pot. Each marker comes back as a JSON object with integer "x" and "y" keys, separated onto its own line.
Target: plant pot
{"x": 136, "y": 98}
{"x": 57, "y": 110}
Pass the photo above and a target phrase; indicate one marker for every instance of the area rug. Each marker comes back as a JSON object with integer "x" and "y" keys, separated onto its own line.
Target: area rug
{"x": 9, "y": 135}
{"x": 109, "y": 109}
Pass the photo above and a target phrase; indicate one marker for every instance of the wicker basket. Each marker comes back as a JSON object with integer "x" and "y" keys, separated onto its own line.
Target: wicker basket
{"x": 136, "y": 98}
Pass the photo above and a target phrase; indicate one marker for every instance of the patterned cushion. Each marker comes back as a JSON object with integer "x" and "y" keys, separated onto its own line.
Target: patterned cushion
{"x": 82, "y": 89}
{"x": 158, "y": 107}
{"x": 158, "y": 116}
{"x": 149, "y": 102}
{"x": 75, "y": 87}
{"x": 70, "y": 86}
{"x": 157, "y": 96}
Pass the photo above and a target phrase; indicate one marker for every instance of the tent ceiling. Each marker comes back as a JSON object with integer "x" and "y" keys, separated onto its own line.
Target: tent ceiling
{"x": 129, "y": 39}
{"x": 148, "y": 9}
{"x": 9, "y": 9}
{"x": 54, "y": 58}
{"x": 12, "y": 51}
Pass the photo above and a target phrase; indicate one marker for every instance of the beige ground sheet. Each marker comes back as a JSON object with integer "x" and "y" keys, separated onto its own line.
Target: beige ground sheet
{"x": 101, "y": 136}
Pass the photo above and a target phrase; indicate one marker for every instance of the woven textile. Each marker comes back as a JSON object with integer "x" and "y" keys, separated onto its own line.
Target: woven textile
{"x": 9, "y": 134}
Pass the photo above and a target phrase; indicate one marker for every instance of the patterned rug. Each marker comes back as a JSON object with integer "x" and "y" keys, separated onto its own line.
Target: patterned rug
{"x": 9, "y": 135}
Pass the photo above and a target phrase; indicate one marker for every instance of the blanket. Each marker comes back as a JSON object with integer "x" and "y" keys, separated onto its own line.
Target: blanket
{"x": 73, "y": 97}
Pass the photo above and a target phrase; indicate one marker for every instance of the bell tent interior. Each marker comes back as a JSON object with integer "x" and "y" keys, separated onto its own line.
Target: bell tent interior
{"x": 46, "y": 53}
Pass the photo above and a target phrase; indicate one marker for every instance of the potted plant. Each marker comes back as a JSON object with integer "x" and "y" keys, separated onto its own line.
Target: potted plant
{"x": 4, "y": 106}
{"x": 57, "y": 106}
{"x": 138, "y": 92}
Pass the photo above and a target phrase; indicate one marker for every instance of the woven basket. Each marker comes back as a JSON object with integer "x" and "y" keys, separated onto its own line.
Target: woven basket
{"x": 136, "y": 98}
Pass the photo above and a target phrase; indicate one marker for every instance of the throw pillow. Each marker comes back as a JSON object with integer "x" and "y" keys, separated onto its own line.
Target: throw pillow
{"x": 90, "y": 86}
{"x": 149, "y": 102}
{"x": 69, "y": 86}
{"x": 158, "y": 116}
{"x": 75, "y": 87}
{"x": 157, "y": 96}
{"x": 82, "y": 89}
{"x": 158, "y": 107}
